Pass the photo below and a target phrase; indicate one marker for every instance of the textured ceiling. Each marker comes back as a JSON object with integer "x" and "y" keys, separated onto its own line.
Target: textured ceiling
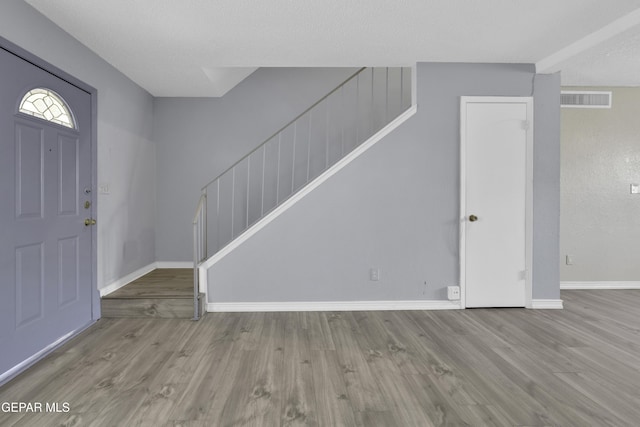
{"x": 179, "y": 48}
{"x": 614, "y": 62}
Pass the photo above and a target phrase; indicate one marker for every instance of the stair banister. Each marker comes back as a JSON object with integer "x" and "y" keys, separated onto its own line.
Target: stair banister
{"x": 199, "y": 248}
{"x": 314, "y": 140}
{"x": 204, "y": 188}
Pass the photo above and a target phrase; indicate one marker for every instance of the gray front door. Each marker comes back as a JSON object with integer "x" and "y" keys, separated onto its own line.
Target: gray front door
{"x": 45, "y": 247}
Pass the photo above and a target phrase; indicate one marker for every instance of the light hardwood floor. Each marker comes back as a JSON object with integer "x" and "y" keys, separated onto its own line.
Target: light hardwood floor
{"x": 507, "y": 367}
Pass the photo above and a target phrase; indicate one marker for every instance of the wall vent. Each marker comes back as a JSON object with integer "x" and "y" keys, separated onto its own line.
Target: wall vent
{"x": 585, "y": 99}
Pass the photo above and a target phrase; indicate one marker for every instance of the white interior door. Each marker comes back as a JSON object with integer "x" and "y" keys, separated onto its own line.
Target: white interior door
{"x": 496, "y": 138}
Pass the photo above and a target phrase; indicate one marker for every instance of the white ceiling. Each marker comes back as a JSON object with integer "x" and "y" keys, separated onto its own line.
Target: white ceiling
{"x": 178, "y": 48}
{"x": 614, "y": 61}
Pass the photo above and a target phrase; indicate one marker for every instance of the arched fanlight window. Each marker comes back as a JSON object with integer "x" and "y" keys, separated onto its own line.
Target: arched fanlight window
{"x": 47, "y": 105}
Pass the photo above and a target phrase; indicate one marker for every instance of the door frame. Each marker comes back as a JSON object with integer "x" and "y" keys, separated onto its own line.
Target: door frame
{"x": 528, "y": 100}
{"x": 93, "y": 93}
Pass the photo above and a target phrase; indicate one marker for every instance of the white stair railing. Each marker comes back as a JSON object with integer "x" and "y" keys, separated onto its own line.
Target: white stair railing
{"x": 199, "y": 249}
{"x": 296, "y": 154}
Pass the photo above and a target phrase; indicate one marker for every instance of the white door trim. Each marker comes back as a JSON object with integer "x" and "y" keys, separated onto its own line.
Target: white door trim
{"x": 464, "y": 100}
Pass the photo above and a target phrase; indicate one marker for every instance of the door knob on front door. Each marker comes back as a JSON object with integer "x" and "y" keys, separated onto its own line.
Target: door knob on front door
{"x": 89, "y": 221}
{"x": 473, "y": 218}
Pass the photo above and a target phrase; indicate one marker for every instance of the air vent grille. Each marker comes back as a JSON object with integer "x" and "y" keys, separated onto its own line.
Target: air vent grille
{"x": 582, "y": 99}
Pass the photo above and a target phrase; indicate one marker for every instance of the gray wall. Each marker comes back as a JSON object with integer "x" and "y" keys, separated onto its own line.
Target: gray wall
{"x": 600, "y": 229}
{"x": 396, "y": 207}
{"x": 546, "y": 187}
{"x": 198, "y": 138}
{"x": 126, "y": 154}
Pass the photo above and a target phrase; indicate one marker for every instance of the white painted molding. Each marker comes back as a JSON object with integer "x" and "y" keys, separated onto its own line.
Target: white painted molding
{"x": 6, "y": 376}
{"x": 331, "y": 306}
{"x": 600, "y": 285}
{"x": 546, "y": 304}
{"x": 203, "y": 278}
{"x": 117, "y": 284}
{"x": 174, "y": 264}
{"x": 613, "y": 29}
{"x": 310, "y": 187}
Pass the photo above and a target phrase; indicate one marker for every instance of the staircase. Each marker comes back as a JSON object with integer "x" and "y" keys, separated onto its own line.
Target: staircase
{"x": 295, "y": 159}
{"x": 162, "y": 293}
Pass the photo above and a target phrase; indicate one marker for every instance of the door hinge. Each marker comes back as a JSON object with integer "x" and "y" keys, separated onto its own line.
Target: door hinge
{"x": 526, "y": 124}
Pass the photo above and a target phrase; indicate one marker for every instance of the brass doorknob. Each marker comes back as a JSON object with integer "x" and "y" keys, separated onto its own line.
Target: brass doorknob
{"x": 89, "y": 221}
{"x": 473, "y": 218}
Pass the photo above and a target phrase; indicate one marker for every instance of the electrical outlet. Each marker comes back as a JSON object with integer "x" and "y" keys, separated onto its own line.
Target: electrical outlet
{"x": 453, "y": 293}
{"x": 374, "y": 274}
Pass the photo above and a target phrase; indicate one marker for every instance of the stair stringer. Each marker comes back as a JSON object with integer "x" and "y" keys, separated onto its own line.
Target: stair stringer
{"x": 279, "y": 210}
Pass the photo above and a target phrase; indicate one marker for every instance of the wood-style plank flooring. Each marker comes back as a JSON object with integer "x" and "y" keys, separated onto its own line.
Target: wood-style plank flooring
{"x": 159, "y": 283}
{"x": 162, "y": 293}
{"x": 501, "y": 367}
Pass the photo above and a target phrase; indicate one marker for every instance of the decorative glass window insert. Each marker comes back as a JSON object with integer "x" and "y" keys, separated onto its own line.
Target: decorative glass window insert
{"x": 47, "y": 105}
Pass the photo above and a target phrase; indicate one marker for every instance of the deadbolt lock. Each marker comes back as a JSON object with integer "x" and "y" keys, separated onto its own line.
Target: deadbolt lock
{"x": 473, "y": 218}
{"x": 89, "y": 221}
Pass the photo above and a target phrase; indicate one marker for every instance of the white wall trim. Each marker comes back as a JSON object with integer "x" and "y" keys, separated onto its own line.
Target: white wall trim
{"x": 117, "y": 284}
{"x": 331, "y": 306}
{"x": 550, "y": 63}
{"x": 6, "y": 376}
{"x": 546, "y": 304}
{"x": 310, "y": 187}
{"x": 174, "y": 264}
{"x": 203, "y": 282}
{"x": 600, "y": 285}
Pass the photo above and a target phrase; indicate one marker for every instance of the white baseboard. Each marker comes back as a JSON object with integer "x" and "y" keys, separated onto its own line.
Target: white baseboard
{"x": 331, "y": 306}
{"x": 174, "y": 264}
{"x": 117, "y": 284}
{"x": 310, "y": 187}
{"x": 600, "y": 285}
{"x": 8, "y": 375}
{"x": 546, "y": 304}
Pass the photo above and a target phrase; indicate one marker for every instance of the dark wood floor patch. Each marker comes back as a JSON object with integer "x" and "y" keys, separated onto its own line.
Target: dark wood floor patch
{"x": 162, "y": 293}
{"x": 160, "y": 283}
